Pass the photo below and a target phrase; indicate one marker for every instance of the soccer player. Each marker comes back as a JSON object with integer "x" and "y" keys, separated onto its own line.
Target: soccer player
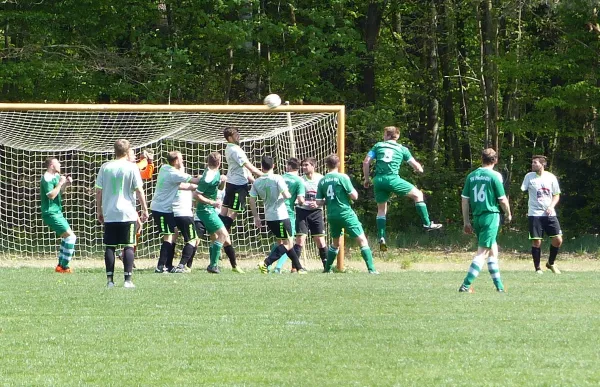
{"x": 544, "y": 194}
{"x": 184, "y": 225}
{"x": 236, "y": 189}
{"x": 116, "y": 183}
{"x": 52, "y": 185}
{"x": 482, "y": 193}
{"x": 145, "y": 164}
{"x": 207, "y": 211}
{"x": 271, "y": 188}
{"x": 388, "y": 156}
{"x": 335, "y": 191}
{"x": 168, "y": 183}
{"x": 295, "y": 186}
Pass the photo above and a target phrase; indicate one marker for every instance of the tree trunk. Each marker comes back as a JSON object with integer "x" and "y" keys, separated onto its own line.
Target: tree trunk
{"x": 371, "y": 33}
{"x": 489, "y": 51}
{"x": 434, "y": 103}
{"x": 461, "y": 56}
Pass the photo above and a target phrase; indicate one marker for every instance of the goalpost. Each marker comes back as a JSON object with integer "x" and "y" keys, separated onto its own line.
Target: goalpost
{"x": 81, "y": 137}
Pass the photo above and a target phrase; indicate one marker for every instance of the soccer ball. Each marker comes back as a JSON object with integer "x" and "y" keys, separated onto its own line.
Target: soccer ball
{"x": 272, "y": 100}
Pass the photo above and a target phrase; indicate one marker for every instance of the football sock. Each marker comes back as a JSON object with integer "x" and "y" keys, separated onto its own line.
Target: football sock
{"x": 474, "y": 270}
{"x": 331, "y": 256}
{"x": 186, "y": 253}
{"x": 281, "y": 261}
{"x": 165, "y": 250}
{"x": 553, "y": 254}
{"x": 215, "y": 253}
{"x": 169, "y": 262}
{"x": 275, "y": 255}
{"x": 494, "y": 270}
{"x": 536, "y": 253}
{"x": 109, "y": 262}
{"x": 294, "y": 258}
{"x": 323, "y": 255}
{"x": 230, "y": 252}
{"x": 67, "y": 247}
{"x": 367, "y": 255}
{"x": 127, "y": 262}
{"x": 422, "y": 211}
{"x": 191, "y": 260}
{"x": 380, "y": 220}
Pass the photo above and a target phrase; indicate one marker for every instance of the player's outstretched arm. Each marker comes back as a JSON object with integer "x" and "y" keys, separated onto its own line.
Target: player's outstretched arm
{"x": 366, "y": 170}
{"x": 253, "y": 169}
{"x": 416, "y": 165}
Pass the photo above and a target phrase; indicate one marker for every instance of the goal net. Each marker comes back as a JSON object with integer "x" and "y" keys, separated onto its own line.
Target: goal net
{"x": 81, "y": 137}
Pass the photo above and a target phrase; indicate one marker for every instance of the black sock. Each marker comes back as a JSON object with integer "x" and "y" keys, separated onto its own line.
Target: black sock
{"x": 109, "y": 262}
{"x": 230, "y": 252}
{"x": 294, "y": 258}
{"x": 323, "y": 255}
{"x": 169, "y": 263}
{"x": 165, "y": 250}
{"x": 227, "y": 221}
{"x": 191, "y": 260}
{"x": 553, "y": 254}
{"x": 298, "y": 249}
{"x": 536, "y": 253}
{"x": 186, "y": 253}
{"x": 128, "y": 262}
{"x": 276, "y": 254}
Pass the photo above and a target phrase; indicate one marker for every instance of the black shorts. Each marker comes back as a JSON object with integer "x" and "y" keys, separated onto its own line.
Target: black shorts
{"x": 118, "y": 234}
{"x": 282, "y": 229}
{"x": 235, "y": 197}
{"x": 186, "y": 227}
{"x": 200, "y": 228}
{"x": 165, "y": 222}
{"x": 538, "y": 225}
{"x": 310, "y": 220}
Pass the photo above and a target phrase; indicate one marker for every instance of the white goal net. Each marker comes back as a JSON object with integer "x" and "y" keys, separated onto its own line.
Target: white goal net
{"x": 83, "y": 139}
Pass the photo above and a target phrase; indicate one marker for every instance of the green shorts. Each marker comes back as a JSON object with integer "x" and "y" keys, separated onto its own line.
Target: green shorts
{"x": 486, "y": 228}
{"x": 349, "y": 222}
{"x": 57, "y": 223}
{"x": 384, "y": 186}
{"x": 211, "y": 221}
{"x": 292, "y": 215}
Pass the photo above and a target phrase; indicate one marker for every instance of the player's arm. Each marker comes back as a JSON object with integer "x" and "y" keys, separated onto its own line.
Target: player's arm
{"x": 139, "y": 192}
{"x": 347, "y": 184}
{"x": 506, "y": 208}
{"x": 69, "y": 181}
{"x": 253, "y": 169}
{"x": 222, "y": 182}
{"x": 367, "y": 168}
{"x": 254, "y": 211}
{"x": 204, "y": 200}
{"x": 417, "y": 167}
{"x": 57, "y": 189}
{"x": 553, "y": 203}
{"x": 468, "y": 229}
{"x": 187, "y": 187}
{"x": 99, "y": 215}
{"x": 283, "y": 188}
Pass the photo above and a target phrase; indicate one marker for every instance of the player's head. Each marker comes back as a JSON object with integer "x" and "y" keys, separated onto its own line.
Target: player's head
{"x": 538, "y": 163}
{"x": 121, "y": 148}
{"x": 175, "y": 159}
{"x": 266, "y": 163}
{"x": 308, "y": 165}
{"x": 231, "y": 135}
{"x": 293, "y": 164}
{"x": 52, "y": 165}
{"x": 332, "y": 162}
{"x": 131, "y": 155}
{"x": 391, "y": 133}
{"x": 489, "y": 157}
{"x": 213, "y": 160}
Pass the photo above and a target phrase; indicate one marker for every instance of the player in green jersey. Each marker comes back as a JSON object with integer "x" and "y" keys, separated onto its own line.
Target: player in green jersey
{"x": 483, "y": 194}
{"x": 52, "y": 185}
{"x": 388, "y": 156}
{"x": 335, "y": 191}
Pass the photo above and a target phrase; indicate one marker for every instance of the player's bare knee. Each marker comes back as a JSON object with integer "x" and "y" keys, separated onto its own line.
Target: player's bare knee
{"x": 557, "y": 241}
{"x": 362, "y": 240}
{"x": 536, "y": 242}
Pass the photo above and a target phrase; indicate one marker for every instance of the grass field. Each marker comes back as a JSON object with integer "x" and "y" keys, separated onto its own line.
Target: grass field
{"x": 400, "y": 328}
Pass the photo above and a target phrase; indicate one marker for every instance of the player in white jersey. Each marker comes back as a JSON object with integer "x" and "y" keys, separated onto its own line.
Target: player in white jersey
{"x": 239, "y": 173}
{"x": 167, "y": 185}
{"x": 271, "y": 188}
{"x": 117, "y": 185}
{"x": 184, "y": 225}
{"x": 544, "y": 194}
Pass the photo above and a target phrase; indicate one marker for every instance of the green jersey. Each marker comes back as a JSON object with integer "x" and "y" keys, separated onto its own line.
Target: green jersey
{"x": 483, "y": 187}
{"x": 295, "y": 187}
{"x": 208, "y": 186}
{"x": 47, "y": 184}
{"x": 334, "y": 188}
{"x": 388, "y": 156}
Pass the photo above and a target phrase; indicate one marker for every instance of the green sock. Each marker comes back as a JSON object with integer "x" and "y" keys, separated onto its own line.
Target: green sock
{"x": 495, "y": 273}
{"x": 331, "y": 256}
{"x": 474, "y": 270}
{"x": 215, "y": 253}
{"x": 281, "y": 262}
{"x": 422, "y": 211}
{"x": 380, "y": 220}
{"x": 367, "y": 255}
{"x": 68, "y": 250}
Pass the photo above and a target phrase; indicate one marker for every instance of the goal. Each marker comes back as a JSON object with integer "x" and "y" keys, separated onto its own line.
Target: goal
{"x": 82, "y": 138}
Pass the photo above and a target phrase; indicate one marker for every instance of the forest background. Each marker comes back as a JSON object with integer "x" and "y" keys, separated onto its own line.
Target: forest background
{"x": 521, "y": 76}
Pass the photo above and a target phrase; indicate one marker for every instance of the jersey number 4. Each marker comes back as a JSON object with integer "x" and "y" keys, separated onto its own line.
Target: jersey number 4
{"x": 330, "y": 192}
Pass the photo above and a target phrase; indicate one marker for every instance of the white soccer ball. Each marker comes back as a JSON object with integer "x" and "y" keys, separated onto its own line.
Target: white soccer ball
{"x": 272, "y": 100}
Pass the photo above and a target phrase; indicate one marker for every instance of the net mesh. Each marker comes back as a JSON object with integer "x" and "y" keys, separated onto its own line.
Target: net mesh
{"x": 83, "y": 140}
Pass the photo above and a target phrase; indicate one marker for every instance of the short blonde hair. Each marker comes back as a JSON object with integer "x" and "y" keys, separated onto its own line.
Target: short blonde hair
{"x": 391, "y": 132}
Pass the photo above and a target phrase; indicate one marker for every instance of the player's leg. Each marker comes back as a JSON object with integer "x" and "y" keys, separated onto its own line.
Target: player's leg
{"x": 298, "y": 249}
{"x": 382, "y": 190}
{"x": 335, "y": 231}
{"x": 67, "y": 248}
{"x": 186, "y": 227}
{"x": 483, "y": 252}
{"x": 165, "y": 224}
{"x": 234, "y": 202}
{"x": 127, "y": 240}
{"x": 536, "y": 233}
{"x": 355, "y": 230}
{"x": 229, "y": 250}
{"x": 552, "y": 228}
{"x": 490, "y": 224}
{"x": 316, "y": 226}
{"x": 218, "y": 232}
{"x": 381, "y": 225}
{"x": 404, "y": 187}
{"x": 200, "y": 232}
{"x": 110, "y": 240}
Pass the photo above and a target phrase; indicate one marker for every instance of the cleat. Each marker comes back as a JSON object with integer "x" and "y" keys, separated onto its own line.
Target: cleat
{"x": 501, "y": 290}
{"x": 213, "y": 269}
{"x": 464, "y": 289}
{"x": 110, "y": 284}
{"x": 432, "y": 226}
{"x": 58, "y": 269}
{"x": 373, "y": 272}
{"x": 178, "y": 270}
{"x": 237, "y": 270}
{"x": 302, "y": 271}
{"x": 382, "y": 245}
{"x": 263, "y": 268}
{"x": 276, "y": 271}
{"x": 327, "y": 271}
{"x": 66, "y": 270}
{"x": 539, "y": 271}
{"x": 552, "y": 268}
{"x": 128, "y": 285}
{"x": 293, "y": 270}
{"x": 159, "y": 270}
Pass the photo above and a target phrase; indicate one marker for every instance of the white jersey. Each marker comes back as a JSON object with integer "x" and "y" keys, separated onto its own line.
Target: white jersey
{"x": 541, "y": 189}
{"x": 182, "y": 205}
{"x": 270, "y": 188}
{"x": 118, "y": 180}
{"x": 310, "y": 186}
{"x": 236, "y": 158}
{"x": 167, "y": 186}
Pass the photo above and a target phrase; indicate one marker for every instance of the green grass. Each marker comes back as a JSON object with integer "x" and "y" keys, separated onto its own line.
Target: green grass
{"x": 406, "y": 328}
